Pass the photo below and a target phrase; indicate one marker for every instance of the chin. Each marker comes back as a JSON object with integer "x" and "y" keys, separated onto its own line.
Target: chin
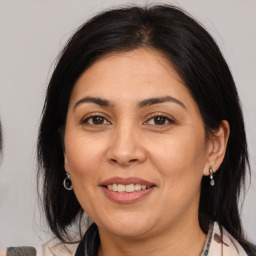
{"x": 129, "y": 231}
{"x": 127, "y": 226}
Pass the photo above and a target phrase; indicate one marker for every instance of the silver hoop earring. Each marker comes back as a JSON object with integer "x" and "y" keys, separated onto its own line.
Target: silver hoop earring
{"x": 212, "y": 182}
{"x": 67, "y": 183}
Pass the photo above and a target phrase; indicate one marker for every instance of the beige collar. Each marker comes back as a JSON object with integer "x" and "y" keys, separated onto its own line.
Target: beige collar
{"x": 225, "y": 244}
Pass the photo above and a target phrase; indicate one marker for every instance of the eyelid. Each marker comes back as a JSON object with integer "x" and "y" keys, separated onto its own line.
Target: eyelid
{"x": 84, "y": 119}
{"x": 164, "y": 115}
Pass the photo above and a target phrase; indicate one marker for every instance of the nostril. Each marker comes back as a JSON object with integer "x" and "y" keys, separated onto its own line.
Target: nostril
{"x": 129, "y": 161}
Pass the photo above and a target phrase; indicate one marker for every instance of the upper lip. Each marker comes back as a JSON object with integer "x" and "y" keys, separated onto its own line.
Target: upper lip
{"x": 127, "y": 181}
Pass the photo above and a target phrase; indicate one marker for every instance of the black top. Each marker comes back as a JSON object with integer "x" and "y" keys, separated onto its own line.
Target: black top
{"x": 90, "y": 243}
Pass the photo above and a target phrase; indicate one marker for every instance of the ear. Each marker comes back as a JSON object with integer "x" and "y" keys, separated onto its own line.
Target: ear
{"x": 216, "y": 148}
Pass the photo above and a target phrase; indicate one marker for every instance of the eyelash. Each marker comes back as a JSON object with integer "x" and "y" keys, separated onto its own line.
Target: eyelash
{"x": 166, "y": 120}
{"x": 93, "y": 117}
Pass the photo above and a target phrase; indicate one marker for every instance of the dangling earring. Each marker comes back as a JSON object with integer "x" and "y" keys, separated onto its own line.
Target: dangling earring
{"x": 212, "y": 182}
{"x": 67, "y": 183}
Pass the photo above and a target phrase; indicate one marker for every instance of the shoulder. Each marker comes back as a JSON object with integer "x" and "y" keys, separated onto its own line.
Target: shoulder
{"x": 222, "y": 243}
{"x": 56, "y": 248}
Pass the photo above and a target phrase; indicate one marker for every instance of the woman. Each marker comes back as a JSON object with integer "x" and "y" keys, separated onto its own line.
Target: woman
{"x": 142, "y": 129}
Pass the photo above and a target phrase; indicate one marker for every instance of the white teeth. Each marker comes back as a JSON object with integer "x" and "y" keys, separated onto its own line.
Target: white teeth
{"x": 110, "y": 187}
{"x": 129, "y": 188}
{"x": 121, "y": 188}
{"x": 114, "y": 187}
{"x": 126, "y": 188}
{"x": 137, "y": 187}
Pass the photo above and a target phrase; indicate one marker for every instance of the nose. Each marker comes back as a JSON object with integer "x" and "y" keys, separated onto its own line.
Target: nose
{"x": 126, "y": 147}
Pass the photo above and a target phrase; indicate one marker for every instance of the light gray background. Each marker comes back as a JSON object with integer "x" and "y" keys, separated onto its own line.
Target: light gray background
{"x": 31, "y": 35}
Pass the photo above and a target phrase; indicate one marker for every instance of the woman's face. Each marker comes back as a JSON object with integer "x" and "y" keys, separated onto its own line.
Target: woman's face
{"x": 132, "y": 126}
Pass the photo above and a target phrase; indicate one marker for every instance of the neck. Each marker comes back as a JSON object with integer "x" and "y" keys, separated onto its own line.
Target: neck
{"x": 183, "y": 238}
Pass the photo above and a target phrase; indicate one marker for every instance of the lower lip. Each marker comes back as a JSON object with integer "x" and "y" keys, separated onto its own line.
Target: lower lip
{"x": 125, "y": 197}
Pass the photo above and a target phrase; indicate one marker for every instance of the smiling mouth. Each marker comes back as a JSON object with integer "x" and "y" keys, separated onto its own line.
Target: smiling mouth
{"x": 129, "y": 188}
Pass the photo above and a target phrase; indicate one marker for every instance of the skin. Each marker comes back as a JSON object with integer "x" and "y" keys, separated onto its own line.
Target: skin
{"x": 129, "y": 141}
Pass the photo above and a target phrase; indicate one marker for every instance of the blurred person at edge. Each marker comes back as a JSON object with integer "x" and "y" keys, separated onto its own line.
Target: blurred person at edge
{"x": 1, "y": 139}
{"x": 2, "y": 251}
{"x": 142, "y": 130}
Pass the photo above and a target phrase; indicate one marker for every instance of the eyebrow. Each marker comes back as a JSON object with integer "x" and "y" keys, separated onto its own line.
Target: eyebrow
{"x": 153, "y": 101}
{"x": 96, "y": 100}
{"x": 144, "y": 103}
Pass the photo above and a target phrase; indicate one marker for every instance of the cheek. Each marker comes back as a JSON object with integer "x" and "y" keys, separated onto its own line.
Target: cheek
{"x": 179, "y": 162}
{"x": 84, "y": 160}
{"x": 180, "y": 159}
{"x": 83, "y": 155}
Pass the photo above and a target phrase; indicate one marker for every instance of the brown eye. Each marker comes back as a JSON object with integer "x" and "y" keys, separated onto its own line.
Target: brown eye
{"x": 159, "y": 120}
{"x": 95, "y": 120}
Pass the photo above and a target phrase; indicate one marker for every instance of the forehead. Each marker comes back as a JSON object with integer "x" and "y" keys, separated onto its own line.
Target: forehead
{"x": 141, "y": 71}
